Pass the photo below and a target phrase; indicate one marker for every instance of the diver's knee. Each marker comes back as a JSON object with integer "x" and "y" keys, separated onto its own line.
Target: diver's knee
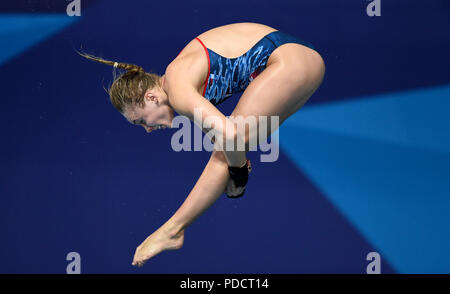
{"x": 219, "y": 156}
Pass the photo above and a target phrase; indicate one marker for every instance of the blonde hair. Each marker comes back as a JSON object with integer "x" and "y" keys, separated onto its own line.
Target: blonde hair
{"x": 128, "y": 88}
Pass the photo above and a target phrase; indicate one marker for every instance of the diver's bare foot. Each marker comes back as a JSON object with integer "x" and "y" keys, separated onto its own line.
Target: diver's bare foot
{"x": 157, "y": 242}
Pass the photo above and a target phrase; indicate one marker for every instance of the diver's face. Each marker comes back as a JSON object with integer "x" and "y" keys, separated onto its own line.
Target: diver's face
{"x": 156, "y": 114}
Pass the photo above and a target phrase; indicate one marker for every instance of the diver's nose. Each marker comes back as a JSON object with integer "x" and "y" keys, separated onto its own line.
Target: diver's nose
{"x": 148, "y": 129}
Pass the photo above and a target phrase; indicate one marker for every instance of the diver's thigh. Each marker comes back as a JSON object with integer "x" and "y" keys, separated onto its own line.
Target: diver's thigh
{"x": 274, "y": 92}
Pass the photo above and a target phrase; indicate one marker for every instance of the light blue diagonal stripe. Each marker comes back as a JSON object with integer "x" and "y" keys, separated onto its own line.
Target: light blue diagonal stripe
{"x": 384, "y": 162}
{"x": 18, "y": 32}
{"x": 416, "y": 117}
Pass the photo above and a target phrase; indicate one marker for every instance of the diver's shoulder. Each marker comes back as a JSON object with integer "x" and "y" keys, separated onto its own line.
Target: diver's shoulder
{"x": 188, "y": 70}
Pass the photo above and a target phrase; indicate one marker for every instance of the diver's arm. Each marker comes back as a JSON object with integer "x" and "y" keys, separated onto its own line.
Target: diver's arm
{"x": 188, "y": 102}
{"x": 212, "y": 182}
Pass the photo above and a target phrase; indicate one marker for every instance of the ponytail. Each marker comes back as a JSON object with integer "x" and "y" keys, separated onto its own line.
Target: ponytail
{"x": 128, "y": 88}
{"x": 122, "y": 65}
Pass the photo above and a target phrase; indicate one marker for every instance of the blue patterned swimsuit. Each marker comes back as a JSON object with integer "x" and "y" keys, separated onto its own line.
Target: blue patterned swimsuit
{"x": 227, "y": 76}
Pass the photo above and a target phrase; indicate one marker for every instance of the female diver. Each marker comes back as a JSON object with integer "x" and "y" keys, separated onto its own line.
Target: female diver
{"x": 277, "y": 74}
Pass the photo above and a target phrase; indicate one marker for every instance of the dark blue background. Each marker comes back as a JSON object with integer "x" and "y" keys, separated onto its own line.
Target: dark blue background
{"x": 76, "y": 176}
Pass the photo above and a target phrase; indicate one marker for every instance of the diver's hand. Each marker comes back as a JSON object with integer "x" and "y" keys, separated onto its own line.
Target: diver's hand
{"x": 157, "y": 242}
{"x": 231, "y": 190}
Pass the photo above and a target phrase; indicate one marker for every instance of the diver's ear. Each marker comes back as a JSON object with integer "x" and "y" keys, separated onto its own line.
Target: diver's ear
{"x": 150, "y": 95}
{"x": 147, "y": 95}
